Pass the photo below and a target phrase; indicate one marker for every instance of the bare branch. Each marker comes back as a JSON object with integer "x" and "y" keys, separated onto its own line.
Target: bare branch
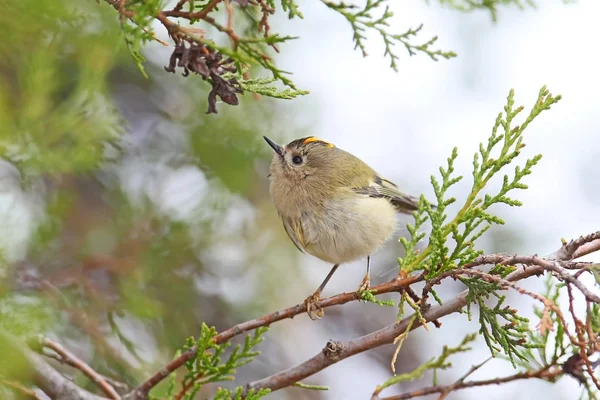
{"x": 26, "y": 392}
{"x": 544, "y": 374}
{"x": 74, "y": 361}
{"x": 49, "y": 380}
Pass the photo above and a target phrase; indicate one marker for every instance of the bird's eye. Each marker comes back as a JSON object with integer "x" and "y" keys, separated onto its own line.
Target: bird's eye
{"x": 297, "y": 160}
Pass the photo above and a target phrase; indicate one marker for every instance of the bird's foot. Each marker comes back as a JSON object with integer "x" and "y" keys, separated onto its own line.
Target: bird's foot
{"x": 313, "y": 309}
{"x": 365, "y": 285}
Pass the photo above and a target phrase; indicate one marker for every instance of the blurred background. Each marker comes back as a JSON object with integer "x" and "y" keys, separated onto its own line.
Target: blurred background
{"x": 128, "y": 217}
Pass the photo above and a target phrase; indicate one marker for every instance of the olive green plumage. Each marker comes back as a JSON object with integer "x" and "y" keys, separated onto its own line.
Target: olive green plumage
{"x": 332, "y": 204}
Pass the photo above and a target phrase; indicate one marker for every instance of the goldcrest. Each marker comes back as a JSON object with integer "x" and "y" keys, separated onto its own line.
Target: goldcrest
{"x": 333, "y": 205}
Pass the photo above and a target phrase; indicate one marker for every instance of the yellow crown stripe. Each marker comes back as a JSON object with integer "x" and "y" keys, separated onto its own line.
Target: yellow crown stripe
{"x": 314, "y": 139}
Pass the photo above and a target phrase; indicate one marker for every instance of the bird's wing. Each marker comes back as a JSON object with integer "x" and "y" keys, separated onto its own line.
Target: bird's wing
{"x": 293, "y": 227}
{"x": 382, "y": 188}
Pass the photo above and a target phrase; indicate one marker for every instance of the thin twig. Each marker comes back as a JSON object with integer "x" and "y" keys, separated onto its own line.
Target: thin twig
{"x": 193, "y": 15}
{"x": 580, "y": 330}
{"x": 49, "y": 380}
{"x": 76, "y": 362}
{"x": 17, "y": 387}
{"x": 119, "y": 386}
{"x": 566, "y": 276}
{"x": 179, "y": 5}
{"x": 462, "y": 379}
{"x": 544, "y": 374}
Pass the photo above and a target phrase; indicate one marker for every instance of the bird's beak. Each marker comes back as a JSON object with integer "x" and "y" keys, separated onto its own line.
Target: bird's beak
{"x": 278, "y": 149}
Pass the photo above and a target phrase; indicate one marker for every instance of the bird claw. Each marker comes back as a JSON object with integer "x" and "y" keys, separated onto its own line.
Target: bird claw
{"x": 365, "y": 285}
{"x": 313, "y": 309}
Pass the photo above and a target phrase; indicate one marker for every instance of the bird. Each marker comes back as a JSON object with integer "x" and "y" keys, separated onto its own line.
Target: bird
{"x": 333, "y": 205}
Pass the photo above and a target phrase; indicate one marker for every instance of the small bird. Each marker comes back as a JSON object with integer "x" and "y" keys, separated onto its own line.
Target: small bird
{"x": 333, "y": 205}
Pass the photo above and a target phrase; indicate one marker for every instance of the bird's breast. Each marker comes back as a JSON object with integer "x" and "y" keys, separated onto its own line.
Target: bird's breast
{"x": 293, "y": 200}
{"x": 348, "y": 228}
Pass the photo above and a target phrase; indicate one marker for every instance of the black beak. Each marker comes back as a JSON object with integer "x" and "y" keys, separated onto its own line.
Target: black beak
{"x": 278, "y": 149}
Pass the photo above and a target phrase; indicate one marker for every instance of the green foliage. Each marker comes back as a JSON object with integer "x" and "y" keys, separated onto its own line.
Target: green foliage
{"x": 435, "y": 364}
{"x": 238, "y": 394}
{"x": 510, "y": 335}
{"x": 24, "y": 316}
{"x": 452, "y": 242}
{"x": 594, "y": 315}
{"x": 55, "y": 112}
{"x": 474, "y": 218}
{"x": 265, "y": 87}
{"x": 208, "y": 365}
{"x": 362, "y": 20}
{"x": 291, "y": 7}
{"x": 410, "y": 246}
{"x": 368, "y": 296}
{"x": 137, "y": 31}
{"x": 310, "y": 387}
{"x": 252, "y": 48}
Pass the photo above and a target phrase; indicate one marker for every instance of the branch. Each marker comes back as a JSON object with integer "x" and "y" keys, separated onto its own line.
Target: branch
{"x": 396, "y": 285}
{"x": 393, "y": 286}
{"x": 49, "y": 380}
{"x": 544, "y": 374}
{"x": 578, "y": 247}
{"x": 336, "y": 351}
{"x": 25, "y": 391}
{"x": 119, "y": 386}
{"x": 192, "y": 15}
{"x": 71, "y": 359}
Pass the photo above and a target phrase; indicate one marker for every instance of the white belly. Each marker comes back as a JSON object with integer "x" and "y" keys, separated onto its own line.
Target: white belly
{"x": 349, "y": 229}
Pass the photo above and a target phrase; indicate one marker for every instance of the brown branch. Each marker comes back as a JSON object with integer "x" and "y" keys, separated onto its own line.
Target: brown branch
{"x": 580, "y": 330}
{"x": 578, "y": 247}
{"x": 336, "y": 351}
{"x": 392, "y": 286}
{"x": 77, "y": 363}
{"x": 192, "y": 15}
{"x": 49, "y": 380}
{"x": 229, "y": 25}
{"x": 566, "y": 276}
{"x": 179, "y": 5}
{"x": 462, "y": 379}
{"x": 387, "y": 335}
{"x": 587, "y": 248}
{"x": 544, "y": 374}
{"x": 119, "y": 386}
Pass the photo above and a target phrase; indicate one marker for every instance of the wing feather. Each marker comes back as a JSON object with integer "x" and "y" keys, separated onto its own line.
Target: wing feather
{"x": 293, "y": 227}
{"x": 382, "y": 188}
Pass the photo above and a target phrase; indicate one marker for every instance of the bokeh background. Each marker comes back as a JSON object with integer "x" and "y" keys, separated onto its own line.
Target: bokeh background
{"x": 148, "y": 217}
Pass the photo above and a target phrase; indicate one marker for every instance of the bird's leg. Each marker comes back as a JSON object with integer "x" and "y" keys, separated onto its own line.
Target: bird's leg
{"x": 313, "y": 309}
{"x": 366, "y": 282}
